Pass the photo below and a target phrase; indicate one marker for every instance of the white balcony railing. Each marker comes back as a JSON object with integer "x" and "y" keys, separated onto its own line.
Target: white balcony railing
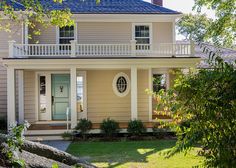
{"x": 99, "y": 50}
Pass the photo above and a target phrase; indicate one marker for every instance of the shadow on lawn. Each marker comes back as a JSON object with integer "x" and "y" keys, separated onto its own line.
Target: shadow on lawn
{"x": 141, "y": 152}
{"x": 118, "y": 153}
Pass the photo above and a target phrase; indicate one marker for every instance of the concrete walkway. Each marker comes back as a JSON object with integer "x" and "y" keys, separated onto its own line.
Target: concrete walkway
{"x": 61, "y": 145}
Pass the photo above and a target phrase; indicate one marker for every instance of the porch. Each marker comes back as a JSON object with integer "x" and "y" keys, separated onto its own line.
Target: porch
{"x": 99, "y": 98}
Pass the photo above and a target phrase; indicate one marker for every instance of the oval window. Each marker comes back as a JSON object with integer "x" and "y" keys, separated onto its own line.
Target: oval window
{"x": 121, "y": 84}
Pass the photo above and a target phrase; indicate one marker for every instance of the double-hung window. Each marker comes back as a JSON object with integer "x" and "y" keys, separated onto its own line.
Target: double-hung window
{"x": 143, "y": 37}
{"x": 66, "y": 34}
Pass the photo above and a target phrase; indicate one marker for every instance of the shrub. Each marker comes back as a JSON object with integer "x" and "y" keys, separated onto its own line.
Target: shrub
{"x": 67, "y": 135}
{"x": 158, "y": 131}
{"x": 109, "y": 127}
{"x": 136, "y": 127}
{"x": 84, "y": 126}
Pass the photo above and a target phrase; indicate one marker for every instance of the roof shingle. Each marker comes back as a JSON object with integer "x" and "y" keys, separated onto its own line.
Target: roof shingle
{"x": 105, "y": 7}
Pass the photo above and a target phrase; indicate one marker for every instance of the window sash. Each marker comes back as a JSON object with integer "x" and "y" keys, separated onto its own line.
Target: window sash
{"x": 66, "y": 35}
{"x": 142, "y": 35}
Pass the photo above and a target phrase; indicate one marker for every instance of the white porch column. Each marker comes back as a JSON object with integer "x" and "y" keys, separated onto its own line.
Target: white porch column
{"x": 73, "y": 97}
{"x": 134, "y": 93}
{"x": 150, "y": 87}
{"x": 21, "y": 96}
{"x": 11, "y": 103}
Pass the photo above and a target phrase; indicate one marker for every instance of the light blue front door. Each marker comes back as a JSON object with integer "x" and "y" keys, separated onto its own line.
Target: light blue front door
{"x": 60, "y": 96}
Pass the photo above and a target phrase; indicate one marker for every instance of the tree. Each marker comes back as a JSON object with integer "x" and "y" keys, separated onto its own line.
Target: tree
{"x": 15, "y": 151}
{"x": 194, "y": 27}
{"x": 203, "y": 105}
{"x": 34, "y": 11}
{"x": 223, "y": 29}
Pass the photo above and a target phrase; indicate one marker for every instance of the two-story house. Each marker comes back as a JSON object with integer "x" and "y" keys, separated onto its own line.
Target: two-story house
{"x": 97, "y": 69}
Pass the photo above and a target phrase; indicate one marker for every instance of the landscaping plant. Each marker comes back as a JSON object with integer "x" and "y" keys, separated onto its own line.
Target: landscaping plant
{"x": 203, "y": 106}
{"x": 84, "y": 126}
{"x": 109, "y": 127}
{"x": 10, "y": 149}
{"x": 136, "y": 127}
{"x": 67, "y": 136}
{"x": 158, "y": 131}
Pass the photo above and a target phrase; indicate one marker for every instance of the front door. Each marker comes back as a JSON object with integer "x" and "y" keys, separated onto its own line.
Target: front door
{"x": 60, "y": 96}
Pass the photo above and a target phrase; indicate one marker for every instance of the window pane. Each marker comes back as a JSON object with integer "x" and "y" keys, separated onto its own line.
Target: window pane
{"x": 142, "y": 35}
{"x": 143, "y": 40}
{"x": 42, "y": 94}
{"x": 159, "y": 82}
{"x": 121, "y": 84}
{"x": 142, "y": 31}
{"x": 80, "y": 93}
{"x": 65, "y": 41}
{"x": 66, "y": 34}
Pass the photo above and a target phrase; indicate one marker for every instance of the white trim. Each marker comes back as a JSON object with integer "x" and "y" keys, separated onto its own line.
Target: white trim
{"x": 85, "y": 104}
{"x": 26, "y": 34}
{"x": 73, "y": 98}
{"x": 115, "y": 90}
{"x": 22, "y": 33}
{"x": 134, "y": 93}
{"x": 59, "y": 64}
{"x": 76, "y": 31}
{"x": 174, "y": 32}
{"x": 11, "y": 102}
{"x": 36, "y": 96}
{"x": 57, "y": 35}
{"x": 21, "y": 96}
{"x": 150, "y": 85}
{"x": 124, "y": 17}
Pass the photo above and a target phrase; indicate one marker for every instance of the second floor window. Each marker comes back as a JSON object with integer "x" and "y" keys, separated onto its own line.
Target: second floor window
{"x": 66, "y": 34}
{"x": 142, "y": 37}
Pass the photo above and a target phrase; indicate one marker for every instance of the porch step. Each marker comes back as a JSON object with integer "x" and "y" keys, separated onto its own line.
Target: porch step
{"x": 40, "y": 135}
{"x": 39, "y": 138}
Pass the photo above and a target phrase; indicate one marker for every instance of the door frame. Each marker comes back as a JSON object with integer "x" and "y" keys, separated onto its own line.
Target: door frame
{"x": 48, "y": 75}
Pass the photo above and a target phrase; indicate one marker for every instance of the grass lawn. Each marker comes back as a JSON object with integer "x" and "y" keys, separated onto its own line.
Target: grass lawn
{"x": 136, "y": 154}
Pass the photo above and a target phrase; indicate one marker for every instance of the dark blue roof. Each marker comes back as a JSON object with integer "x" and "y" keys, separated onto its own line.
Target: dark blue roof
{"x": 107, "y": 7}
{"x": 16, "y": 5}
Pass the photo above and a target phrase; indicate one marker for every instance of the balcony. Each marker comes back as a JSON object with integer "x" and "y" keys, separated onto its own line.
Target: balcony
{"x": 75, "y": 50}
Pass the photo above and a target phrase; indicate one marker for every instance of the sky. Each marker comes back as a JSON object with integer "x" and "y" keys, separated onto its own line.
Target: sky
{"x": 184, "y": 6}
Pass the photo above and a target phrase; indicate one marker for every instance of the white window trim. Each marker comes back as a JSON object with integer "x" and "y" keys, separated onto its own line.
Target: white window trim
{"x": 150, "y": 33}
{"x": 58, "y": 33}
{"x": 115, "y": 90}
